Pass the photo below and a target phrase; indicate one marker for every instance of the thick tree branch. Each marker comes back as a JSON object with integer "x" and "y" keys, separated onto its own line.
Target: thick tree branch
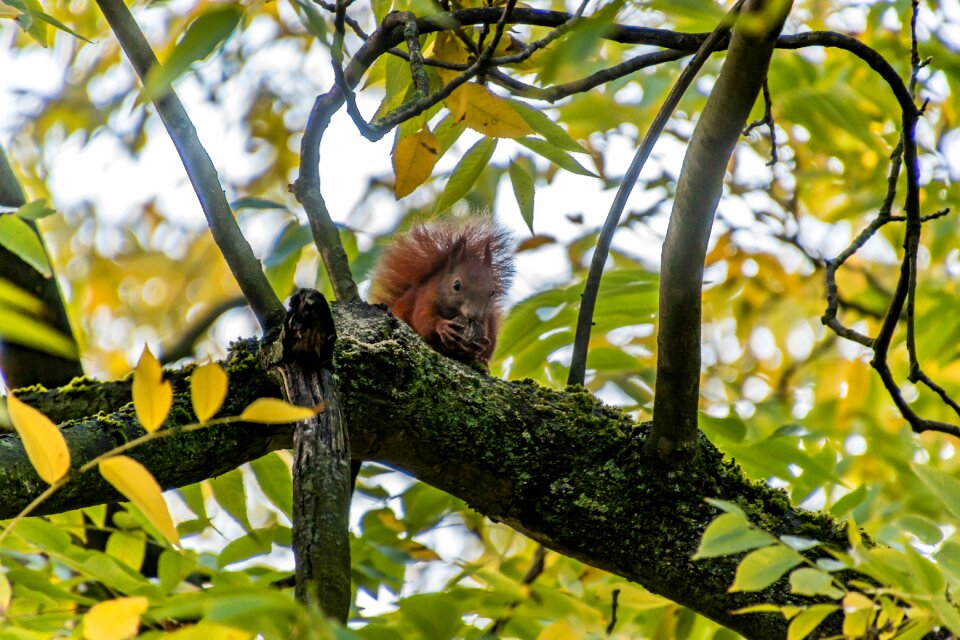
{"x": 560, "y": 467}
{"x": 581, "y": 343}
{"x": 203, "y": 175}
{"x": 677, "y": 395}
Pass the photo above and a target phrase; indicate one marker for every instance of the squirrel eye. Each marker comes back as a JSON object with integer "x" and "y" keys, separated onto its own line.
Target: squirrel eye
{"x": 456, "y": 285}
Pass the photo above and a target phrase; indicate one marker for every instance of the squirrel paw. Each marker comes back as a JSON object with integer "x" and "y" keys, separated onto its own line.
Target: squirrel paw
{"x": 452, "y": 335}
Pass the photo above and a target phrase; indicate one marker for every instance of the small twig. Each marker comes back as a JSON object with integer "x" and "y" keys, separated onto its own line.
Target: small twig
{"x": 183, "y": 347}
{"x": 767, "y": 119}
{"x": 534, "y": 572}
{"x": 614, "y": 601}
{"x": 578, "y": 363}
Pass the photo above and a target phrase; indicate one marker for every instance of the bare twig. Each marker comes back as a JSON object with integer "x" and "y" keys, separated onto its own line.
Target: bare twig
{"x": 767, "y": 119}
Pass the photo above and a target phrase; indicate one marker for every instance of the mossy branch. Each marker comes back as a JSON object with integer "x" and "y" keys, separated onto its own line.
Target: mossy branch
{"x": 558, "y": 466}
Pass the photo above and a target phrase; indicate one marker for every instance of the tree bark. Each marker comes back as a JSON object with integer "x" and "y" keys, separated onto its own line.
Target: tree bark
{"x": 677, "y": 396}
{"x": 559, "y": 466}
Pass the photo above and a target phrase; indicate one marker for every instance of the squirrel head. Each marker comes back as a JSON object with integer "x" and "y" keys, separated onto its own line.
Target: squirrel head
{"x": 467, "y": 286}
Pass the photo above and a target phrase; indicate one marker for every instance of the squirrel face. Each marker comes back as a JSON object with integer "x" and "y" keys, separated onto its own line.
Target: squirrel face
{"x": 467, "y": 288}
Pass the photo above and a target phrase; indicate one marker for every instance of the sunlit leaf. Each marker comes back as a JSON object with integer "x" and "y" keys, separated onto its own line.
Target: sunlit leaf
{"x": 474, "y": 105}
{"x": 523, "y": 190}
{"x": 35, "y": 210}
{"x": 117, "y": 619}
{"x": 413, "y": 160}
{"x": 275, "y": 480}
{"x": 6, "y": 592}
{"x": 208, "y": 389}
{"x": 43, "y": 442}
{"x": 813, "y": 582}
{"x": 761, "y": 568}
{"x": 203, "y": 35}
{"x": 231, "y": 494}
{"x": 152, "y": 396}
{"x": 138, "y": 485}
{"x": 809, "y": 619}
{"x": 555, "y": 155}
{"x": 559, "y": 630}
{"x": 465, "y": 174}
{"x": 17, "y": 237}
{"x": 731, "y": 533}
{"x": 550, "y": 130}
{"x": 275, "y": 411}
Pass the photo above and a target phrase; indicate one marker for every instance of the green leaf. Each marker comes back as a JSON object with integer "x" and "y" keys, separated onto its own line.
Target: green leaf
{"x": 465, "y": 174}
{"x": 28, "y": 20}
{"x": 546, "y": 127}
{"x": 192, "y": 496}
{"x": 731, "y": 533}
{"x": 924, "y": 529}
{"x": 726, "y": 506}
{"x": 434, "y": 615}
{"x": 128, "y": 548}
{"x": 943, "y": 486}
{"x": 848, "y": 502}
{"x": 524, "y": 191}
{"x": 761, "y": 568}
{"x": 31, "y": 332}
{"x": 808, "y": 620}
{"x": 274, "y": 477}
{"x": 948, "y": 557}
{"x": 18, "y": 238}
{"x": 35, "y": 210}
{"x": 39, "y": 532}
{"x": 555, "y": 155}
{"x": 448, "y": 131}
{"x": 813, "y": 582}
{"x": 256, "y": 543}
{"x": 172, "y": 567}
{"x": 44, "y": 17}
{"x": 230, "y": 494}
{"x": 256, "y": 203}
{"x": 203, "y": 35}
{"x": 732, "y": 428}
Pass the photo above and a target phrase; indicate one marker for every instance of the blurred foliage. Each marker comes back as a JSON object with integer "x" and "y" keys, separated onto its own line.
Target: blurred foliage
{"x": 790, "y": 402}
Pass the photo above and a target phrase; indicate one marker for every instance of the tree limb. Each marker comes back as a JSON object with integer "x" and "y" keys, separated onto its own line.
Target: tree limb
{"x": 203, "y": 175}
{"x": 677, "y": 395}
{"x": 560, "y": 467}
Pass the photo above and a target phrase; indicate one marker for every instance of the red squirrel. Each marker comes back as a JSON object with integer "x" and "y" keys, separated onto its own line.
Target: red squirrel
{"x": 447, "y": 280}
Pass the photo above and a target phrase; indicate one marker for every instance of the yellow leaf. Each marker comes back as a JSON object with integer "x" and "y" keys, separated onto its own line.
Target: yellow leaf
{"x": 114, "y": 619}
{"x": 274, "y": 411}
{"x": 45, "y": 446}
{"x": 491, "y": 115}
{"x": 8, "y": 12}
{"x": 208, "y": 388}
{"x": 447, "y": 48}
{"x": 138, "y": 485}
{"x": 559, "y": 630}
{"x": 413, "y": 161}
{"x": 151, "y": 395}
{"x": 6, "y": 593}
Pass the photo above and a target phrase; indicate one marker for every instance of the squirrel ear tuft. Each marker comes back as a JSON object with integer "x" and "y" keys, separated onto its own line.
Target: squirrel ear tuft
{"x": 457, "y": 253}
